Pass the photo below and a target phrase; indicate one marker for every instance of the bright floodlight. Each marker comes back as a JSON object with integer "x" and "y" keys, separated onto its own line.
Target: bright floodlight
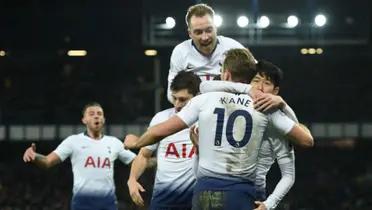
{"x": 218, "y": 20}
{"x": 242, "y": 21}
{"x": 292, "y": 21}
{"x": 170, "y": 22}
{"x": 320, "y": 20}
{"x": 263, "y": 22}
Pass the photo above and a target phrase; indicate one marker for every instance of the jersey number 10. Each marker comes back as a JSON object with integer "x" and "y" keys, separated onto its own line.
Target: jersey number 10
{"x": 230, "y": 126}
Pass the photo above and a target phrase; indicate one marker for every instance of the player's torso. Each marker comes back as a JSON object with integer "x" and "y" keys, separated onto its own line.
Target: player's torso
{"x": 92, "y": 162}
{"x": 174, "y": 179}
{"x": 207, "y": 67}
{"x": 175, "y": 158}
{"x": 230, "y": 136}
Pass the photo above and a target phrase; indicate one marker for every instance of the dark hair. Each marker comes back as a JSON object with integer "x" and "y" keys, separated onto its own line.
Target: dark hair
{"x": 90, "y": 104}
{"x": 198, "y": 10}
{"x": 186, "y": 80}
{"x": 270, "y": 71}
{"x": 217, "y": 78}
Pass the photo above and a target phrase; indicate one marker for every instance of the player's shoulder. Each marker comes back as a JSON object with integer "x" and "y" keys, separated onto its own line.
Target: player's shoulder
{"x": 229, "y": 42}
{"x": 165, "y": 112}
{"x": 183, "y": 47}
{"x": 112, "y": 140}
{"x": 74, "y": 137}
{"x": 162, "y": 116}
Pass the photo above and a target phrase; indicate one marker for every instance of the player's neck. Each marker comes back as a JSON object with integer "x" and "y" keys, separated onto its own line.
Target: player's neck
{"x": 96, "y": 135}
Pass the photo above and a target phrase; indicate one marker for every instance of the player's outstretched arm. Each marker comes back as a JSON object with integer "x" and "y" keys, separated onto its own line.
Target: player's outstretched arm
{"x": 156, "y": 133}
{"x": 42, "y": 161}
{"x": 139, "y": 164}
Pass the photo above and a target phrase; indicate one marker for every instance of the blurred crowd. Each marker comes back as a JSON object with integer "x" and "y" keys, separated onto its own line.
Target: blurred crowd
{"x": 327, "y": 177}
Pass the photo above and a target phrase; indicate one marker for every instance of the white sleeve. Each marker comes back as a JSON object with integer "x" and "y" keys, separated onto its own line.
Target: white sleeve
{"x": 124, "y": 155}
{"x": 283, "y": 186}
{"x": 290, "y": 113}
{"x": 64, "y": 150}
{"x": 224, "y": 86}
{"x": 190, "y": 113}
{"x": 281, "y": 122}
{"x": 265, "y": 159}
{"x": 175, "y": 66}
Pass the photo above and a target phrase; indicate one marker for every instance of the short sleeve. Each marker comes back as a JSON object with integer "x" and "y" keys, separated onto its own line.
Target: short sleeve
{"x": 124, "y": 155}
{"x": 190, "y": 113}
{"x": 64, "y": 150}
{"x": 281, "y": 122}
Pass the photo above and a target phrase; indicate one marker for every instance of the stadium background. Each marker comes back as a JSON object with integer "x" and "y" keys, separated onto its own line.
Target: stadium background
{"x": 42, "y": 89}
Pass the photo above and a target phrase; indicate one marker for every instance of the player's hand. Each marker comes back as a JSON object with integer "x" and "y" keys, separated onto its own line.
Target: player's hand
{"x": 194, "y": 136}
{"x": 30, "y": 153}
{"x": 260, "y": 205}
{"x": 254, "y": 93}
{"x": 266, "y": 102}
{"x": 130, "y": 141}
{"x": 134, "y": 191}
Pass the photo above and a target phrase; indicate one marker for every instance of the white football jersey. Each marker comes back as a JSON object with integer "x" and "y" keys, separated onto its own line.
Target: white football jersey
{"x": 186, "y": 57}
{"x": 230, "y": 133}
{"x": 175, "y": 178}
{"x": 274, "y": 146}
{"x": 93, "y": 162}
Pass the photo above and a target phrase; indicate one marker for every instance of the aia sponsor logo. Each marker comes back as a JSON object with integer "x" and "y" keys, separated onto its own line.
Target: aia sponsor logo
{"x": 97, "y": 162}
{"x": 186, "y": 151}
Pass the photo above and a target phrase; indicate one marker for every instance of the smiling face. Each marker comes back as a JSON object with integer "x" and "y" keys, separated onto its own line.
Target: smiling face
{"x": 94, "y": 119}
{"x": 203, "y": 33}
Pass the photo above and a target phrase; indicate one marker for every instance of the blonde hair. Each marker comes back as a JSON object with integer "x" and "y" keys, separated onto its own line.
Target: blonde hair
{"x": 241, "y": 64}
{"x": 198, "y": 10}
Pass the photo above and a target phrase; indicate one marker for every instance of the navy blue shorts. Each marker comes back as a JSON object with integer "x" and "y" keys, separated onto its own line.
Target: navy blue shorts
{"x": 219, "y": 194}
{"x": 93, "y": 202}
{"x": 222, "y": 200}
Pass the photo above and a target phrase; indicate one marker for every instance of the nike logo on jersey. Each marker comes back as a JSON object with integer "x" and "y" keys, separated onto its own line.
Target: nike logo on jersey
{"x": 190, "y": 67}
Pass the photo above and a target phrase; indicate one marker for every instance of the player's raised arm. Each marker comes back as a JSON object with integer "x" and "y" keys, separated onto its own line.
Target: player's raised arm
{"x": 42, "y": 161}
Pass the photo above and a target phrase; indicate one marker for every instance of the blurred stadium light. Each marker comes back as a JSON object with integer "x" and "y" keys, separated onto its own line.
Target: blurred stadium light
{"x": 320, "y": 20}
{"x": 242, "y": 21}
{"x": 348, "y": 25}
{"x": 218, "y": 20}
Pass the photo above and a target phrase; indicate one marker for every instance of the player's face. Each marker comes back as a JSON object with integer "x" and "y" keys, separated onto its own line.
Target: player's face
{"x": 262, "y": 83}
{"x": 180, "y": 98}
{"x": 203, "y": 32}
{"x": 94, "y": 118}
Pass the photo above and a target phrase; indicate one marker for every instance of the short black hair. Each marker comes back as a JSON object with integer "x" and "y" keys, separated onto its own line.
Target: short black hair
{"x": 186, "y": 80}
{"x": 270, "y": 71}
{"x": 93, "y": 103}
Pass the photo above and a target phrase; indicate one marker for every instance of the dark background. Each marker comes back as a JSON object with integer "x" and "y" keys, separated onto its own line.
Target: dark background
{"x": 40, "y": 84}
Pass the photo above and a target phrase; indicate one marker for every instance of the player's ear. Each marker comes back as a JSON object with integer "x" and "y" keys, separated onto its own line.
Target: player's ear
{"x": 83, "y": 120}
{"x": 189, "y": 32}
{"x": 228, "y": 76}
{"x": 276, "y": 90}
